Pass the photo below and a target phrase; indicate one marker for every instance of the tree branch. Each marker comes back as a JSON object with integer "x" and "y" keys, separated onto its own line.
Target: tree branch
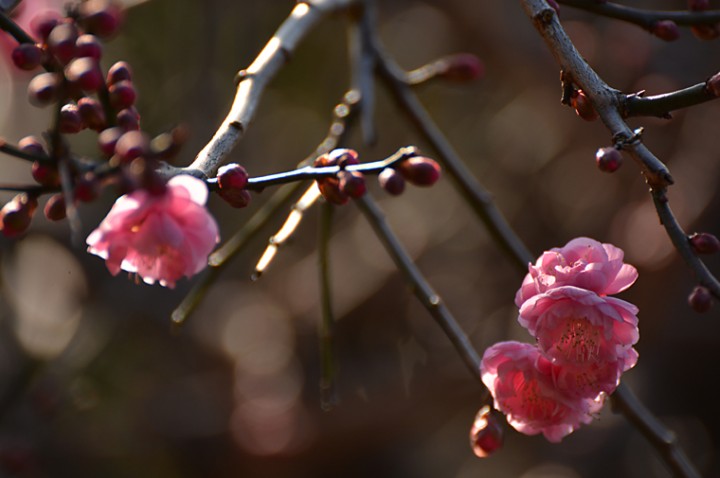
{"x": 254, "y": 79}
{"x": 644, "y": 18}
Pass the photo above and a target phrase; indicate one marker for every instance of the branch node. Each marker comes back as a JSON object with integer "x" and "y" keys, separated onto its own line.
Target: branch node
{"x": 241, "y": 76}
{"x": 238, "y": 126}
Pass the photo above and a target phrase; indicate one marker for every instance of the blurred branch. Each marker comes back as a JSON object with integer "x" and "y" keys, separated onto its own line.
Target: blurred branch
{"x": 328, "y": 390}
{"x": 363, "y": 66}
{"x": 644, "y": 18}
{"x": 472, "y": 191}
{"x": 253, "y": 80}
{"x": 662, "y": 438}
{"x": 13, "y": 29}
{"x": 420, "y": 287}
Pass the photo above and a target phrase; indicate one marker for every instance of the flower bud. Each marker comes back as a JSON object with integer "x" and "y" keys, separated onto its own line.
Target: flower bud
{"x": 70, "y": 120}
{"x": 16, "y": 215}
{"x": 237, "y": 198}
{"x": 43, "y": 89}
{"x": 27, "y": 56}
{"x": 92, "y": 113}
{"x": 487, "y": 433}
{"x": 352, "y": 183}
{"x": 608, "y": 160}
{"x": 232, "y": 176}
{"x": 698, "y": 5}
{"x": 62, "y": 42}
{"x": 583, "y": 106}
{"x": 463, "y": 67}
{"x": 342, "y": 157}
{"x": 89, "y": 46}
{"x": 118, "y": 72}
{"x": 330, "y": 189}
{"x": 85, "y": 72}
{"x": 55, "y": 207}
{"x": 108, "y": 138}
{"x": 420, "y": 171}
{"x": 122, "y": 94}
{"x": 32, "y": 145}
{"x": 391, "y": 181}
{"x": 128, "y": 119}
{"x": 705, "y": 32}
{"x": 712, "y": 85}
{"x": 87, "y": 188}
{"x": 101, "y": 17}
{"x": 43, "y": 24}
{"x": 666, "y": 30}
{"x": 131, "y": 145}
{"x": 45, "y": 174}
{"x": 704, "y": 243}
{"x": 700, "y": 299}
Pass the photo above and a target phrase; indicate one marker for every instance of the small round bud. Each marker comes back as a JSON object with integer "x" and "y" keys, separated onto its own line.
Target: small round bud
{"x": 237, "y": 198}
{"x": 87, "y": 188}
{"x": 420, "y": 171}
{"x": 118, "y": 72}
{"x": 700, "y": 299}
{"x": 583, "y": 106}
{"x": 27, "y": 56}
{"x": 352, "y": 183}
{"x": 101, "y": 17}
{"x": 131, "y": 145}
{"x": 92, "y": 113}
{"x": 62, "y": 42}
{"x": 85, "y": 72}
{"x": 55, "y": 207}
{"x": 44, "y": 23}
{"x": 554, "y": 6}
{"x": 32, "y": 145}
{"x": 45, "y": 174}
{"x": 122, "y": 94}
{"x": 108, "y": 138}
{"x": 463, "y": 67}
{"x": 704, "y": 243}
{"x": 608, "y": 160}
{"x": 342, "y": 157}
{"x": 487, "y": 433}
{"x": 128, "y": 119}
{"x": 70, "y": 120}
{"x": 43, "y": 89}
{"x": 89, "y": 46}
{"x": 232, "y": 176}
{"x": 712, "y": 85}
{"x": 698, "y": 5}
{"x": 666, "y": 30}
{"x": 330, "y": 189}
{"x": 16, "y": 215}
{"x": 391, "y": 181}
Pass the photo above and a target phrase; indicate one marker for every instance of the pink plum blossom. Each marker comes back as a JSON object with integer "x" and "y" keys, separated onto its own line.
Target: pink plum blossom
{"x": 522, "y": 383}
{"x": 160, "y": 237}
{"x": 577, "y": 326}
{"x": 589, "y": 380}
{"x": 583, "y": 263}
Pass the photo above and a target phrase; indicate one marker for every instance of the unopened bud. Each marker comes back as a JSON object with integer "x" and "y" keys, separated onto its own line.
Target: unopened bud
{"x": 352, "y": 183}
{"x": 583, "y": 106}
{"x": 666, "y": 30}
{"x": 608, "y": 160}
{"x": 420, "y": 171}
{"x": 463, "y": 67}
{"x": 705, "y": 32}
{"x": 487, "y": 433}
{"x": 16, "y": 215}
{"x": 713, "y": 85}
{"x": 330, "y": 189}
{"x": 55, "y": 207}
{"x": 27, "y": 56}
{"x": 700, "y": 299}
{"x": 391, "y": 181}
{"x": 704, "y": 243}
{"x": 342, "y": 157}
{"x": 232, "y": 176}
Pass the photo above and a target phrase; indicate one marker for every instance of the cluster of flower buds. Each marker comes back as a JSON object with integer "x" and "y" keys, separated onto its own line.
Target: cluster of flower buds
{"x": 70, "y": 49}
{"x": 701, "y": 299}
{"x": 703, "y": 31}
{"x": 417, "y": 170}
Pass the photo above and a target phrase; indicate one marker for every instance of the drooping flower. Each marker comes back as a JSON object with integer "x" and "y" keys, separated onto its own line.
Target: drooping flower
{"x": 161, "y": 237}
{"x": 522, "y": 383}
{"x": 577, "y": 326}
{"x": 582, "y": 262}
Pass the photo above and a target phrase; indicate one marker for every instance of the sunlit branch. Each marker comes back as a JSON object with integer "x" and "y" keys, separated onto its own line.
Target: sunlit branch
{"x": 255, "y": 78}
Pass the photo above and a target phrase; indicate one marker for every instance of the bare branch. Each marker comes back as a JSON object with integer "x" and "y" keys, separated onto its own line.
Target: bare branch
{"x": 644, "y": 18}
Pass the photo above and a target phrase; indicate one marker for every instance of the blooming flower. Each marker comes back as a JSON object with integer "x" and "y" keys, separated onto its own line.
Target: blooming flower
{"x": 575, "y": 326}
{"x": 160, "y": 237}
{"x": 522, "y": 383}
{"x": 583, "y": 263}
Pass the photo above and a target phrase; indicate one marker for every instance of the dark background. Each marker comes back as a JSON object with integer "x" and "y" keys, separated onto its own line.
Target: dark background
{"x": 94, "y": 381}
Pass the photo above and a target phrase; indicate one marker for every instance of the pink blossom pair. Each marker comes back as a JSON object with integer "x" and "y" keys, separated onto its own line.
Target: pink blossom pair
{"x": 584, "y": 340}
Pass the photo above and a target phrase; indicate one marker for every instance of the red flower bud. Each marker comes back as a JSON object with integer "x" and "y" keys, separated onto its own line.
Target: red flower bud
{"x": 704, "y": 243}
{"x": 666, "y": 30}
{"x": 583, "y": 106}
{"x": 608, "y": 160}
{"x": 487, "y": 433}
{"x": 700, "y": 299}
{"x": 16, "y": 215}
{"x": 391, "y": 181}
{"x": 43, "y": 89}
{"x": 55, "y": 207}
{"x": 420, "y": 171}
{"x": 463, "y": 67}
{"x": 27, "y": 56}
{"x": 352, "y": 183}
{"x": 232, "y": 176}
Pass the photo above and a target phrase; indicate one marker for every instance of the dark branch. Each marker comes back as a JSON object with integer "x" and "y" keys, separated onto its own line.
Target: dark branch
{"x": 644, "y": 18}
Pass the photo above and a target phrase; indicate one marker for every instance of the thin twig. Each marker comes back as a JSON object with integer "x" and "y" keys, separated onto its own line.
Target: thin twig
{"x": 661, "y": 105}
{"x": 644, "y": 18}
{"x": 420, "y": 286}
{"x": 254, "y": 79}
{"x": 328, "y": 390}
{"x": 13, "y": 29}
{"x": 363, "y": 67}
{"x": 472, "y": 191}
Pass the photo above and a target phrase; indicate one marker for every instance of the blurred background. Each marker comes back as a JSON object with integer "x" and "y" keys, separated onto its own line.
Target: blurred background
{"x": 94, "y": 380}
